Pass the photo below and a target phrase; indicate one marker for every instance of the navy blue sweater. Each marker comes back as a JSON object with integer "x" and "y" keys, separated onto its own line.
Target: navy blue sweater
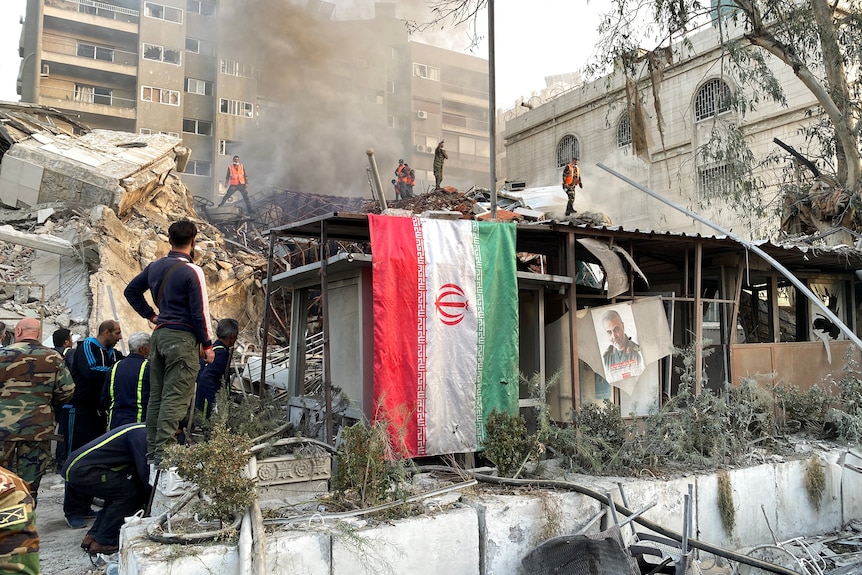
{"x": 185, "y": 303}
{"x": 121, "y": 448}
{"x": 127, "y": 391}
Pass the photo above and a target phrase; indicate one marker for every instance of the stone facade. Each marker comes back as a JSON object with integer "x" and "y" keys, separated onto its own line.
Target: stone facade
{"x": 592, "y": 114}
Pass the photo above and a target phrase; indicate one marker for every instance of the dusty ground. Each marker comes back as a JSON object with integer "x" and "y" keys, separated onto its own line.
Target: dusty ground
{"x": 59, "y": 552}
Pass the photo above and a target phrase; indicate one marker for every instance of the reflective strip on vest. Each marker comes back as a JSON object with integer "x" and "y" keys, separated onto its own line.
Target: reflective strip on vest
{"x": 139, "y": 392}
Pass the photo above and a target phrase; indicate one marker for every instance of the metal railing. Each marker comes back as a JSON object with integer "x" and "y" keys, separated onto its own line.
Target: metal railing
{"x": 98, "y": 6}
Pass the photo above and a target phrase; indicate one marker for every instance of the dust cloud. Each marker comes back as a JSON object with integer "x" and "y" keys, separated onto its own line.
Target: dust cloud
{"x": 321, "y": 88}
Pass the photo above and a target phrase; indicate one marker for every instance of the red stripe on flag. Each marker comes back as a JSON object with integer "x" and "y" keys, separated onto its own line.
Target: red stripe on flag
{"x": 398, "y": 399}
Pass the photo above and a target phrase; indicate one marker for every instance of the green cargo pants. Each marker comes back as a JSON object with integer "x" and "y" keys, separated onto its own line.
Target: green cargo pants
{"x": 174, "y": 365}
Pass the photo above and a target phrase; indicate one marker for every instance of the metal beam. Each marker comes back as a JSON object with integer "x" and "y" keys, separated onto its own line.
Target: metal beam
{"x": 803, "y": 289}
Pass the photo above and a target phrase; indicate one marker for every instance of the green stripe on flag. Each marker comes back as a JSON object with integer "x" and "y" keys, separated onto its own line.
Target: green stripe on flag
{"x": 499, "y": 375}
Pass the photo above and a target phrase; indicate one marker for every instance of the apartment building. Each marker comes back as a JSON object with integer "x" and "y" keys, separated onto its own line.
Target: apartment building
{"x": 168, "y": 66}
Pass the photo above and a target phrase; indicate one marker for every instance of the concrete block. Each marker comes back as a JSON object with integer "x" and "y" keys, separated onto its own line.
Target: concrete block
{"x": 141, "y": 556}
{"x": 31, "y": 175}
{"x": 298, "y": 553}
{"x": 669, "y": 497}
{"x": 851, "y": 488}
{"x": 428, "y": 545}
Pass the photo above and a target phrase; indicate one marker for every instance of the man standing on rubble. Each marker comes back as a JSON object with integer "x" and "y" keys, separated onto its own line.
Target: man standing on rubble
{"x": 440, "y": 156}
{"x": 127, "y": 388}
{"x": 400, "y": 175}
{"x": 236, "y": 179}
{"x": 571, "y": 180}
{"x": 34, "y": 383}
{"x": 183, "y": 332}
{"x": 92, "y": 361}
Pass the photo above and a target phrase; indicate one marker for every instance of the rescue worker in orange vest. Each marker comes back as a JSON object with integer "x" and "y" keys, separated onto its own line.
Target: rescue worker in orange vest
{"x": 401, "y": 175}
{"x": 409, "y": 181}
{"x": 571, "y": 180}
{"x": 236, "y": 179}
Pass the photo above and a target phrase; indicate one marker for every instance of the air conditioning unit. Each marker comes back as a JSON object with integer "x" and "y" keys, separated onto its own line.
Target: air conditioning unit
{"x": 422, "y": 115}
{"x": 420, "y": 148}
{"x": 45, "y": 70}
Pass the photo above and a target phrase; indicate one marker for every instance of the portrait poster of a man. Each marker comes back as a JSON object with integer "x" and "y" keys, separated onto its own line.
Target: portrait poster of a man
{"x": 622, "y": 358}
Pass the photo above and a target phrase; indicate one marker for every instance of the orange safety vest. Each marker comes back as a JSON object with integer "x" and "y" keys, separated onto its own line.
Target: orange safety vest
{"x": 237, "y": 174}
{"x": 410, "y": 178}
{"x": 571, "y": 173}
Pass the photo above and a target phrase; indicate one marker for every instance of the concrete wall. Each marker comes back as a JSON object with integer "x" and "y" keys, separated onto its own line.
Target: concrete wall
{"x": 489, "y": 534}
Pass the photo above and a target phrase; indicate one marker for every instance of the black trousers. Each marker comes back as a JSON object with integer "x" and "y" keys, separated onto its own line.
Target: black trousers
{"x": 242, "y": 190}
{"x": 123, "y": 492}
{"x": 85, "y": 425}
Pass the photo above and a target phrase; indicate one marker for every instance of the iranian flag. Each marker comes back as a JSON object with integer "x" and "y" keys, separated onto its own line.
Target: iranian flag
{"x": 445, "y": 330}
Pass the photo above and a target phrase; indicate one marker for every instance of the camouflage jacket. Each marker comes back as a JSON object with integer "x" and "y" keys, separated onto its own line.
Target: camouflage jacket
{"x": 19, "y": 542}
{"x": 34, "y": 381}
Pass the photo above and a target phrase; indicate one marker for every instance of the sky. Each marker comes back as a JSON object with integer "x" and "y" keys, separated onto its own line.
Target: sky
{"x": 530, "y": 43}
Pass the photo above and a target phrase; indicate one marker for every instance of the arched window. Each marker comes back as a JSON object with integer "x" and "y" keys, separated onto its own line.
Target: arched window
{"x": 624, "y": 131}
{"x": 567, "y": 149}
{"x": 712, "y": 99}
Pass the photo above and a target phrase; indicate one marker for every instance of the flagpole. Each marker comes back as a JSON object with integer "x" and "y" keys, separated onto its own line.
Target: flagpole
{"x": 492, "y": 105}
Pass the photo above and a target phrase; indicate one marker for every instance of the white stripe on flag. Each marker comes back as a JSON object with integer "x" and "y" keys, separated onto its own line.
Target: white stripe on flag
{"x": 451, "y": 336}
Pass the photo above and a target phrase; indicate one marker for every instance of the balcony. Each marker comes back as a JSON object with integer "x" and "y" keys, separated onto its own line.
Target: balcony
{"x": 91, "y": 13}
{"x": 94, "y": 100}
{"x": 63, "y": 52}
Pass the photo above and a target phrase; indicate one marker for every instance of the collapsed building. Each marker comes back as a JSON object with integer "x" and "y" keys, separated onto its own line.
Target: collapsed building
{"x": 88, "y": 209}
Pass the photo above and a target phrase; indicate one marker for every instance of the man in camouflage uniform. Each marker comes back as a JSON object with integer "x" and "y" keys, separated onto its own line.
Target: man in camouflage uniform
{"x": 34, "y": 382}
{"x": 19, "y": 541}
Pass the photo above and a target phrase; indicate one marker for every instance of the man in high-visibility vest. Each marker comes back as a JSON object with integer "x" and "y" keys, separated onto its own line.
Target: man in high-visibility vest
{"x": 236, "y": 179}
{"x": 127, "y": 386}
{"x": 571, "y": 180}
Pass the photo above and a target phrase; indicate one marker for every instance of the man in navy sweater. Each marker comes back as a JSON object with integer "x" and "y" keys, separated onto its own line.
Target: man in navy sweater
{"x": 183, "y": 332}
{"x": 127, "y": 387}
{"x": 113, "y": 467}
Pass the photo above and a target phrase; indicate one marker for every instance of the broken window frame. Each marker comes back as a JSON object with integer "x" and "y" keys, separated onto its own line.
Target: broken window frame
{"x": 712, "y": 99}
{"x": 82, "y": 50}
{"x": 198, "y": 127}
{"x": 158, "y": 53}
{"x": 199, "y": 168}
{"x": 236, "y": 108}
{"x": 162, "y": 12}
{"x": 230, "y": 67}
{"x": 199, "y": 87}
{"x": 93, "y": 95}
{"x": 160, "y": 96}
{"x": 229, "y": 147}
{"x": 568, "y": 149}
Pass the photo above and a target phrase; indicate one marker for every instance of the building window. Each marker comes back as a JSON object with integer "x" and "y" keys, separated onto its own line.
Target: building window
{"x": 96, "y": 52}
{"x": 199, "y": 127}
{"x": 624, "y": 131}
{"x": 201, "y": 87}
{"x": 228, "y": 147}
{"x": 427, "y": 72}
{"x": 714, "y": 182}
{"x": 200, "y": 7}
{"x": 712, "y": 99}
{"x": 174, "y": 134}
{"x": 198, "y": 168}
{"x": 234, "y": 68}
{"x": 160, "y": 96}
{"x": 236, "y": 108}
{"x": 395, "y": 122}
{"x": 159, "y": 54}
{"x": 568, "y": 149}
{"x": 153, "y": 10}
{"x": 102, "y": 10}
{"x": 146, "y": 131}
{"x": 193, "y": 45}
{"x": 93, "y": 94}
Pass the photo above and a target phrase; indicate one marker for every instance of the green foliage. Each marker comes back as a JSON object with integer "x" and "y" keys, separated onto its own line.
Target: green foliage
{"x": 846, "y": 416}
{"x": 364, "y": 473}
{"x": 217, "y": 467}
{"x": 815, "y": 481}
{"x": 506, "y": 442}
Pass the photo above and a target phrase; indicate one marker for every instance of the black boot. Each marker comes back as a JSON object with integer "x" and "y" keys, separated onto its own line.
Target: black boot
{"x": 569, "y": 208}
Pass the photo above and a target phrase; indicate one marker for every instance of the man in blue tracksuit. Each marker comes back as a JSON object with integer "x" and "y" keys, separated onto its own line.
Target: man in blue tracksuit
{"x": 212, "y": 376}
{"x": 127, "y": 387}
{"x": 114, "y": 467}
{"x": 183, "y": 332}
